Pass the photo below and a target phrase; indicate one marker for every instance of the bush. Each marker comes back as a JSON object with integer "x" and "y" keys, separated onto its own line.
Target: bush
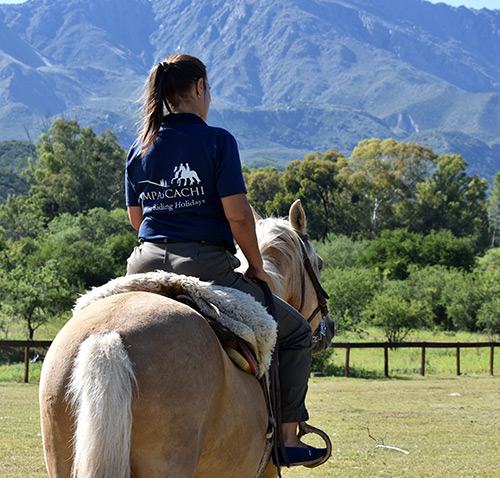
{"x": 488, "y": 317}
{"x": 443, "y": 248}
{"x": 339, "y": 251}
{"x": 463, "y": 296}
{"x": 397, "y": 312}
{"x": 350, "y": 291}
{"x": 323, "y": 362}
{"x": 91, "y": 248}
{"x": 394, "y": 251}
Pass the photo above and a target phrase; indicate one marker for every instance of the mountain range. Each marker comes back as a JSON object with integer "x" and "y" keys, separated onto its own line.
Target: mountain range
{"x": 288, "y": 77}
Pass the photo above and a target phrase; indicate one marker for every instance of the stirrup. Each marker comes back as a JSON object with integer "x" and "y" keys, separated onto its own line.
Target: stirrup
{"x": 304, "y": 429}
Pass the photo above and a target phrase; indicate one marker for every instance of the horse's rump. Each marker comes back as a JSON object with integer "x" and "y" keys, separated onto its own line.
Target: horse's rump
{"x": 185, "y": 384}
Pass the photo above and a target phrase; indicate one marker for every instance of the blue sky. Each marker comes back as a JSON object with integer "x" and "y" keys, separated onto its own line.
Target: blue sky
{"x": 491, "y": 4}
{"x": 478, "y": 4}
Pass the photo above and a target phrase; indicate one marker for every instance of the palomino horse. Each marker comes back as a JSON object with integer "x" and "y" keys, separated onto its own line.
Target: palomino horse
{"x": 157, "y": 394}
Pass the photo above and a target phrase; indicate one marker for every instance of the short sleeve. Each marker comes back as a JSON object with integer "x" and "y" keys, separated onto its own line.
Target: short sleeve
{"x": 229, "y": 177}
{"x": 131, "y": 195}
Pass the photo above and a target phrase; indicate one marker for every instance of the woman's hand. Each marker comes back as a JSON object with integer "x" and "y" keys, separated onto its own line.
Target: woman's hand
{"x": 258, "y": 274}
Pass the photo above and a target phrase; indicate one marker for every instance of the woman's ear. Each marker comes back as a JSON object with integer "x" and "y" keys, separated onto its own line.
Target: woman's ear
{"x": 200, "y": 86}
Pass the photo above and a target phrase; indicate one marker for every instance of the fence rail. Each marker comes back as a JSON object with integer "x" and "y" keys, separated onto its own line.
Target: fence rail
{"x": 27, "y": 344}
{"x": 422, "y": 345}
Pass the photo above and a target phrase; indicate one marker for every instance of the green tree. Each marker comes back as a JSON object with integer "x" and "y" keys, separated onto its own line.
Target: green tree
{"x": 394, "y": 251}
{"x": 262, "y": 187}
{"x": 488, "y": 276}
{"x": 76, "y": 170}
{"x": 397, "y": 312}
{"x": 384, "y": 176}
{"x": 91, "y": 248}
{"x": 20, "y": 217}
{"x": 313, "y": 181}
{"x": 350, "y": 289}
{"x": 340, "y": 251}
{"x": 488, "y": 317}
{"x": 494, "y": 208}
{"x": 464, "y": 297}
{"x": 453, "y": 200}
{"x": 435, "y": 285}
{"x": 31, "y": 295}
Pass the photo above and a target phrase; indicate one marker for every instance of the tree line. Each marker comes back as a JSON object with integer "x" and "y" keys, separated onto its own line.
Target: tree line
{"x": 406, "y": 220}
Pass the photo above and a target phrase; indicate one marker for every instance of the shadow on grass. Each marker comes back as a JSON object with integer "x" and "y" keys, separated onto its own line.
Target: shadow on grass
{"x": 334, "y": 370}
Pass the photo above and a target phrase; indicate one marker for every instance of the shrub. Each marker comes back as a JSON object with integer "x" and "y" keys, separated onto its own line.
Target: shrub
{"x": 350, "y": 291}
{"x": 463, "y": 295}
{"x": 488, "y": 317}
{"x": 340, "y": 251}
{"x": 397, "y": 312}
{"x": 394, "y": 251}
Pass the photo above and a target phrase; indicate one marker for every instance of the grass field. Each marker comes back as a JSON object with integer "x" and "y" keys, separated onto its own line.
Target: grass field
{"x": 449, "y": 425}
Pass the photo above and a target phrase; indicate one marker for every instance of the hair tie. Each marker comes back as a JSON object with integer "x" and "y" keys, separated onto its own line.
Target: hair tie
{"x": 165, "y": 65}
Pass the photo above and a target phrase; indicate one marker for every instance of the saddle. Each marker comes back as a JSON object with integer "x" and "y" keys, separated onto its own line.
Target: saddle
{"x": 246, "y": 330}
{"x": 238, "y": 350}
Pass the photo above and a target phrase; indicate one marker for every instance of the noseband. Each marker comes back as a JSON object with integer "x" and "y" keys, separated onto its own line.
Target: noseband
{"x": 320, "y": 293}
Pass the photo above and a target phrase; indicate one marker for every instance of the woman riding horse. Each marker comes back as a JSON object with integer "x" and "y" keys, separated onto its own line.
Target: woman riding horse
{"x": 190, "y": 228}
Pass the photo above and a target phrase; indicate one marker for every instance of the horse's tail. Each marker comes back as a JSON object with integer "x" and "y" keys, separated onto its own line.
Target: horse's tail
{"x": 100, "y": 392}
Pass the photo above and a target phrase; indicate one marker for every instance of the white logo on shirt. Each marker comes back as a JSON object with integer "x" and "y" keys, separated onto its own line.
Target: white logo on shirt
{"x": 181, "y": 187}
{"x": 185, "y": 173}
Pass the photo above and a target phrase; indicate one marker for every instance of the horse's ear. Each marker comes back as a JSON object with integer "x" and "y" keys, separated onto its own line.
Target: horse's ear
{"x": 298, "y": 217}
{"x": 256, "y": 217}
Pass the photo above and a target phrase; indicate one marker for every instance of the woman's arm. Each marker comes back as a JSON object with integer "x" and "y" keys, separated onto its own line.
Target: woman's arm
{"x": 135, "y": 216}
{"x": 240, "y": 216}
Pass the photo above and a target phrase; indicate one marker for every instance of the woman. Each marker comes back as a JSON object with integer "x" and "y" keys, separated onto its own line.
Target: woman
{"x": 186, "y": 196}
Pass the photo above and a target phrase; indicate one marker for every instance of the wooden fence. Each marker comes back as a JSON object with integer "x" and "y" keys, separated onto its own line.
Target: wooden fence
{"x": 28, "y": 344}
{"x": 422, "y": 345}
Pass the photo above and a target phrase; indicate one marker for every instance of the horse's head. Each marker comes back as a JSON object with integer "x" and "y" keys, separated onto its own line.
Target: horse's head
{"x": 294, "y": 266}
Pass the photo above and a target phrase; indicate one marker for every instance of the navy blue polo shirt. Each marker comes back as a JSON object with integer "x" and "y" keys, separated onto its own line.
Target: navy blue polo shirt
{"x": 181, "y": 179}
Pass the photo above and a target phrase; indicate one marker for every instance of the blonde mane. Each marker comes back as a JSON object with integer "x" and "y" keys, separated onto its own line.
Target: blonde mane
{"x": 279, "y": 244}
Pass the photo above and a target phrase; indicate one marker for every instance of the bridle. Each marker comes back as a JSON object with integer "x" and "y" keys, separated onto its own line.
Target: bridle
{"x": 320, "y": 292}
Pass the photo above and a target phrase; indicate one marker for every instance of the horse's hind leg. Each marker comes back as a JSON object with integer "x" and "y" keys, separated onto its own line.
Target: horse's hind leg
{"x": 55, "y": 420}
{"x": 179, "y": 386}
{"x": 151, "y": 463}
{"x": 161, "y": 446}
{"x": 56, "y": 433}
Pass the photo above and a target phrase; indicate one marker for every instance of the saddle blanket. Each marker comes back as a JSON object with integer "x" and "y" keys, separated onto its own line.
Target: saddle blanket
{"x": 239, "y": 312}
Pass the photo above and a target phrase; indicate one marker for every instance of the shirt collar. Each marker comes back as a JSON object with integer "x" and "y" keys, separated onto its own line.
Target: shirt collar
{"x": 172, "y": 118}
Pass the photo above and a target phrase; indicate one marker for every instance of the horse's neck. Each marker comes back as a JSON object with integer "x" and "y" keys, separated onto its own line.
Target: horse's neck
{"x": 279, "y": 278}
{"x": 285, "y": 281}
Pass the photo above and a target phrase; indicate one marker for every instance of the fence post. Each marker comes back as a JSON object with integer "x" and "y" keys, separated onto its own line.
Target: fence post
{"x": 26, "y": 363}
{"x": 347, "y": 353}
{"x": 458, "y": 360}
{"x": 492, "y": 352}
{"x": 422, "y": 363}
{"x": 386, "y": 360}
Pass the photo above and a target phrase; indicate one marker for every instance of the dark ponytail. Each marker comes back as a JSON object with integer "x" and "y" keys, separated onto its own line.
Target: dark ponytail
{"x": 169, "y": 82}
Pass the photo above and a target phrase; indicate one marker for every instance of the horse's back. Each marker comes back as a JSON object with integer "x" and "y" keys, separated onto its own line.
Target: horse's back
{"x": 192, "y": 403}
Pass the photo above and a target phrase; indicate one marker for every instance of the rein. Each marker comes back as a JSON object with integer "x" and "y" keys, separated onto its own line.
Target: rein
{"x": 320, "y": 292}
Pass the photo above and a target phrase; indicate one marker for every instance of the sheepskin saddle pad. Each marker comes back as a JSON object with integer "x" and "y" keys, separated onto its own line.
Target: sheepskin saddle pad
{"x": 232, "y": 309}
